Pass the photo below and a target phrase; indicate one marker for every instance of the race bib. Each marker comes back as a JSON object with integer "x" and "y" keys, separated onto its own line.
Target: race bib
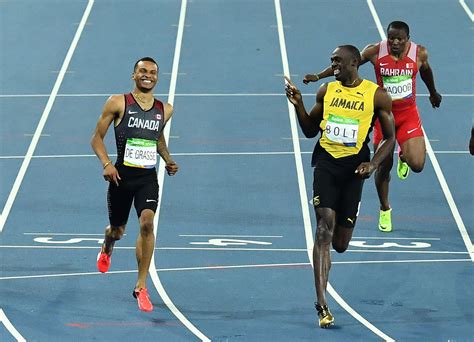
{"x": 140, "y": 153}
{"x": 342, "y": 130}
{"x": 399, "y": 87}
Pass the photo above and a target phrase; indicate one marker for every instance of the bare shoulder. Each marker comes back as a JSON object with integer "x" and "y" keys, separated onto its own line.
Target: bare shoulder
{"x": 115, "y": 104}
{"x": 422, "y": 53}
{"x": 371, "y": 48}
{"x": 370, "y": 52}
{"x": 321, "y": 92}
{"x": 169, "y": 110}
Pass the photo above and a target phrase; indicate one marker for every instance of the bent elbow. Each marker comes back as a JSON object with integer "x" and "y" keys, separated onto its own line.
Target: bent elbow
{"x": 310, "y": 133}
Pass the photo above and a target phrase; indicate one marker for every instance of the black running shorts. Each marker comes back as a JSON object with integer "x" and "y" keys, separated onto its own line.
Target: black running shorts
{"x": 141, "y": 190}
{"x": 336, "y": 186}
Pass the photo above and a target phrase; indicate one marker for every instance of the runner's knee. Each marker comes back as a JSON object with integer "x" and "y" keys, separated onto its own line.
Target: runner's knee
{"x": 417, "y": 165}
{"x": 323, "y": 233}
{"x": 146, "y": 223}
{"x": 339, "y": 246}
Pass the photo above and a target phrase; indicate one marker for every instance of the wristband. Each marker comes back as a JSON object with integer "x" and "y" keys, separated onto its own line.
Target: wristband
{"x": 317, "y": 77}
{"x": 106, "y": 164}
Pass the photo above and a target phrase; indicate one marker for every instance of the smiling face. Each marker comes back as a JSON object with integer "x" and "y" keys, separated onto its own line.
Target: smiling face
{"x": 343, "y": 64}
{"x": 145, "y": 76}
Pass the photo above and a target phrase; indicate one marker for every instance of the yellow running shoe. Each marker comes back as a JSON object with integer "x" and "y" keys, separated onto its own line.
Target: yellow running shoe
{"x": 326, "y": 319}
{"x": 385, "y": 220}
{"x": 402, "y": 169}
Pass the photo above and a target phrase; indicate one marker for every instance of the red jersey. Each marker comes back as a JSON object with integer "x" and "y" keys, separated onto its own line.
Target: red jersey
{"x": 398, "y": 77}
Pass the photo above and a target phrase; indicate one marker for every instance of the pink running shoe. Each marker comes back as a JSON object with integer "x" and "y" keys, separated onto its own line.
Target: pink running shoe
{"x": 144, "y": 303}
{"x": 103, "y": 261}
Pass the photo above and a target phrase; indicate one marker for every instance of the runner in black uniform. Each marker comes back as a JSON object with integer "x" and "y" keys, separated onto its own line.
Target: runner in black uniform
{"x": 139, "y": 120}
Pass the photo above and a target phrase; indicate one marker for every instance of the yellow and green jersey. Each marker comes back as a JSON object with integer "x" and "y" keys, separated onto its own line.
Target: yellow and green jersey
{"x": 348, "y": 118}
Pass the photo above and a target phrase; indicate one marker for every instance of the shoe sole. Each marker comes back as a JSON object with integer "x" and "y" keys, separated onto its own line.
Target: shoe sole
{"x": 385, "y": 230}
{"x": 327, "y": 325}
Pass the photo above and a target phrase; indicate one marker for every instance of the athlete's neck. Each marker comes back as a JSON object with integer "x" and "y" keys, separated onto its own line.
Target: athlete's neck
{"x": 352, "y": 83}
{"x": 142, "y": 97}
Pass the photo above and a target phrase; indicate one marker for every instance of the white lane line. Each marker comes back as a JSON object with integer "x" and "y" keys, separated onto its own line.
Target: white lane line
{"x": 467, "y": 9}
{"x": 199, "y": 95}
{"x": 44, "y": 117}
{"x": 394, "y": 238}
{"x": 200, "y": 154}
{"x": 161, "y": 173}
{"x": 215, "y": 235}
{"x": 439, "y": 173}
{"x": 225, "y": 267}
{"x": 302, "y": 185}
{"x": 64, "y": 234}
{"x": 9, "y": 326}
{"x": 246, "y": 236}
{"x": 32, "y": 147}
{"x": 248, "y": 249}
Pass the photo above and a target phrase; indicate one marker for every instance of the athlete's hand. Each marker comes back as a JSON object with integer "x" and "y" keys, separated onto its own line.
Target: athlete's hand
{"x": 171, "y": 168}
{"x": 310, "y": 78}
{"x": 292, "y": 93}
{"x": 365, "y": 169}
{"x": 435, "y": 99}
{"x": 111, "y": 174}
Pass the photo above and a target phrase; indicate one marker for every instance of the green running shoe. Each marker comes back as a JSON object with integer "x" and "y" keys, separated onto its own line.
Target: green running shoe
{"x": 402, "y": 169}
{"x": 385, "y": 220}
{"x": 326, "y": 319}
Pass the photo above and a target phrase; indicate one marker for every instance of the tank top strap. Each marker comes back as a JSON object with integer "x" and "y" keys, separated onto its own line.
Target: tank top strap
{"x": 159, "y": 105}
{"x": 412, "y": 53}
{"x": 383, "y": 49}
{"x": 129, "y": 100}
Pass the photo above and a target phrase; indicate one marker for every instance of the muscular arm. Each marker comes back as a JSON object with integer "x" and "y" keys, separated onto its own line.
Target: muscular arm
{"x": 309, "y": 123}
{"x": 113, "y": 110}
{"x": 113, "y": 107}
{"x": 426, "y": 74}
{"x": 368, "y": 54}
{"x": 383, "y": 111}
{"x": 162, "y": 148}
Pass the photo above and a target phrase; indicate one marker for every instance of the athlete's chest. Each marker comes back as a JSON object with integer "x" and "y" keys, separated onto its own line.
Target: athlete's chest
{"x": 388, "y": 67}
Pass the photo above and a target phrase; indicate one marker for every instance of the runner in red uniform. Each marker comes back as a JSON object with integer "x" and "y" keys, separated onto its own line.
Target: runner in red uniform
{"x": 396, "y": 61}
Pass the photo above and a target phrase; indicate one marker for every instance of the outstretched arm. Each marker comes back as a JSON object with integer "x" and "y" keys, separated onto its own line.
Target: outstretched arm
{"x": 368, "y": 54}
{"x": 426, "y": 74}
{"x": 309, "y": 123}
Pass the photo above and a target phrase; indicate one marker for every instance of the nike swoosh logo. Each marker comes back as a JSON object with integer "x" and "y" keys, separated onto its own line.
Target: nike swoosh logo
{"x": 412, "y": 130}
{"x": 149, "y": 200}
{"x": 130, "y": 112}
{"x": 383, "y": 64}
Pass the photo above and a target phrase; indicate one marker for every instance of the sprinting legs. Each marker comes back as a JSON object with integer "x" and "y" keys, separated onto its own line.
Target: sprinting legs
{"x": 145, "y": 246}
{"x": 327, "y": 232}
{"x": 414, "y": 153}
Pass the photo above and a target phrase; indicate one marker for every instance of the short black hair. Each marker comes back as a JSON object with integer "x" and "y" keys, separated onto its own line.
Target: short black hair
{"x": 355, "y": 53}
{"x": 144, "y": 59}
{"x": 399, "y": 25}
